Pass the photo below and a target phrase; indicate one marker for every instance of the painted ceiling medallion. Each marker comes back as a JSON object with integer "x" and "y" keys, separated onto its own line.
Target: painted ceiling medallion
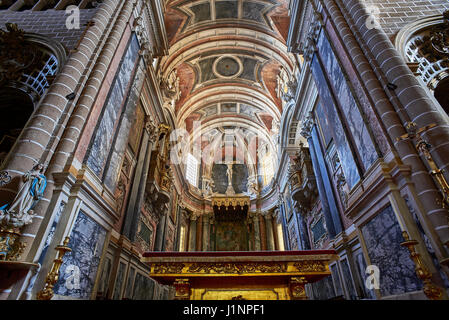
{"x": 227, "y": 67}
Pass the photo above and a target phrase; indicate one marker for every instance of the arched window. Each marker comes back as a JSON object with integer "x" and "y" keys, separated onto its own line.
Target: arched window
{"x": 28, "y": 65}
{"x": 267, "y": 168}
{"x": 192, "y": 170}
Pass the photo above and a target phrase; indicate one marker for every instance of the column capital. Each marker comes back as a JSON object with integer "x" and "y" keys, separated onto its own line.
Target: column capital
{"x": 194, "y": 216}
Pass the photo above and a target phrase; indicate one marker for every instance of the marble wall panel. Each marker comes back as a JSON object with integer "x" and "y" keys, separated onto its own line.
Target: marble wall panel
{"x": 324, "y": 125}
{"x": 103, "y": 285}
{"x": 383, "y": 236}
{"x": 361, "y": 266}
{"x": 128, "y": 119}
{"x": 330, "y": 116}
{"x": 231, "y": 236}
{"x": 100, "y": 147}
{"x": 79, "y": 270}
{"x": 347, "y": 102}
{"x": 348, "y": 279}
{"x": 143, "y": 288}
{"x": 51, "y": 233}
{"x": 337, "y": 280}
{"x": 129, "y": 284}
{"x": 293, "y": 235}
{"x": 120, "y": 280}
{"x": 323, "y": 289}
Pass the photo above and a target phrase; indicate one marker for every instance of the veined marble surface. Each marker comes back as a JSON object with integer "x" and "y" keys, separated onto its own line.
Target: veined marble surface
{"x": 100, "y": 148}
{"x": 119, "y": 281}
{"x": 347, "y": 102}
{"x": 330, "y": 116}
{"x": 143, "y": 288}
{"x": 383, "y": 237}
{"x": 79, "y": 270}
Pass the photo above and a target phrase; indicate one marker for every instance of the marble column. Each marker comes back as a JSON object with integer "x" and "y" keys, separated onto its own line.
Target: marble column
{"x": 199, "y": 233}
{"x": 192, "y": 233}
{"x": 269, "y": 227}
{"x": 263, "y": 233}
{"x": 206, "y": 233}
{"x": 256, "y": 232}
{"x": 160, "y": 233}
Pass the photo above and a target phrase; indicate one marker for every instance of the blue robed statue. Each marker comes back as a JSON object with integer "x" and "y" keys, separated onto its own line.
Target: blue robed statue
{"x": 20, "y": 210}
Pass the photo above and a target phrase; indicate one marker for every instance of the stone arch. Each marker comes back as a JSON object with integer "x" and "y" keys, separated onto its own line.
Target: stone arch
{"x": 27, "y": 68}
{"x": 420, "y": 45}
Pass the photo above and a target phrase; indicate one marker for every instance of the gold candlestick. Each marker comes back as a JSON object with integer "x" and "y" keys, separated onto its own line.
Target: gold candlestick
{"x": 432, "y": 291}
{"x": 47, "y": 293}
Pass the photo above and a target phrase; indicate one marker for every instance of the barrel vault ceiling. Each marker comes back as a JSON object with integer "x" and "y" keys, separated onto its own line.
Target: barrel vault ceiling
{"x": 225, "y": 57}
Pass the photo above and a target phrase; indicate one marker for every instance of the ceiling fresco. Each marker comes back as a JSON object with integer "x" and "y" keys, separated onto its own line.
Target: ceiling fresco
{"x": 227, "y": 56}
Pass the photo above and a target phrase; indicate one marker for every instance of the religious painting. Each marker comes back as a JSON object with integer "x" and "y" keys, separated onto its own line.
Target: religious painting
{"x": 383, "y": 237}
{"x": 79, "y": 270}
{"x": 231, "y": 236}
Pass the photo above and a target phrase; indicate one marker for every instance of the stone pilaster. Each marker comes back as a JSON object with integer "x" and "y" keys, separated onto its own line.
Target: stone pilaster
{"x": 269, "y": 231}
{"x": 255, "y": 218}
{"x": 192, "y": 233}
{"x": 206, "y": 233}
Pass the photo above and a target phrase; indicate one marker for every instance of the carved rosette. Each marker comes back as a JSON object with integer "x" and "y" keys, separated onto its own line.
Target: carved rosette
{"x": 182, "y": 287}
{"x": 297, "y": 288}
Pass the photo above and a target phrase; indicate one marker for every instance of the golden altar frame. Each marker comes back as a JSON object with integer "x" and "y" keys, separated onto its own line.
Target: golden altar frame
{"x": 240, "y": 275}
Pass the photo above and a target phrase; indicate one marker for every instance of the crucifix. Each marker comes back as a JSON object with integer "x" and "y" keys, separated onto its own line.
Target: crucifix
{"x": 423, "y": 147}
